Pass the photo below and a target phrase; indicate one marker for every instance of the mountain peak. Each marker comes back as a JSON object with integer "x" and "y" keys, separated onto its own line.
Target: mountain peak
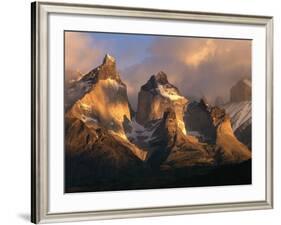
{"x": 155, "y": 98}
{"x": 159, "y": 85}
{"x": 108, "y": 59}
{"x": 108, "y": 69}
{"x": 241, "y": 91}
{"x": 155, "y": 80}
{"x": 161, "y": 78}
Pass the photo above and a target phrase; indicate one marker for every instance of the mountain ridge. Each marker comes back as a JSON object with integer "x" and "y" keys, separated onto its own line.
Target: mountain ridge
{"x": 102, "y": 130}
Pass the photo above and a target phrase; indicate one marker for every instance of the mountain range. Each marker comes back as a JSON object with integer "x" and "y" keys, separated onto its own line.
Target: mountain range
{"x": 168, "y": 142}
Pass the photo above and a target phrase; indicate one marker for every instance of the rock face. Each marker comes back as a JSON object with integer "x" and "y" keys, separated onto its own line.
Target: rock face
{"x": 93, "y": 154}
{"x": 199, "y": 123}
{"x": 230, "y": 149}
{"x": 77, "y": 89}
{"x": 166, "y": 145}
{"x": 105, "y": 102}
{"x": 171, "y": 148}
{"x": 96, "y": 146}
{"x": 156, "y": 96}
{"x": 218, "y": 132}
{"x": 240, "y": 111}
{"x": 241, "y": 91}
{"x": 241, "y": 120}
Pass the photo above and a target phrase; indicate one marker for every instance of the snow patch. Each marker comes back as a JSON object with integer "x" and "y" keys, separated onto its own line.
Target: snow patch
{"x": 239, "y": 112}
{"x": 169, "y": 92}
{"x": 79, "y": 89}
{"x": 194, "y": 133}
{"x": 139, "y": 132}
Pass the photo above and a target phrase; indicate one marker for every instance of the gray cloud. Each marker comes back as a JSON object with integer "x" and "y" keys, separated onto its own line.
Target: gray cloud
{"x": 198, "y": 67}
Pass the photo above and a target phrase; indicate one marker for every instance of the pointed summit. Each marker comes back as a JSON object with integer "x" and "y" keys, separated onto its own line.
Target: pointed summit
{"x": 107, "y": 70}
{"x": 241, "y": 91}
{"x": 108, "y": 59}
{"x": 155, "y": 80}
{"x": 161, "y": 78}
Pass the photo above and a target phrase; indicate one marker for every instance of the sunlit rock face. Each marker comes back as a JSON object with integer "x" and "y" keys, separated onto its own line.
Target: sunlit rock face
{"x": 171, "y": 148}
{"x": 156, "y": 96}
{"x": 241, "y": 91}
{"x": 78, "y": 88}
{"x": 230, "y": 149}
{"x": 106, "y": 101}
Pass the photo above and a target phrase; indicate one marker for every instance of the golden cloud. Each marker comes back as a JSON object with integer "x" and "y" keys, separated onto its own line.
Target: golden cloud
{"x": 80, "y": 55}
{"x": 197, "y": 66}
{"x": 200, "y": 54}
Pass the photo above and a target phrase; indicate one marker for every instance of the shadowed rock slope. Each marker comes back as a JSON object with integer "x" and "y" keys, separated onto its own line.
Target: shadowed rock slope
{"x": 95, "y": 155}
{"x": 172, "y": 149}
{"x": 213, "y": 126}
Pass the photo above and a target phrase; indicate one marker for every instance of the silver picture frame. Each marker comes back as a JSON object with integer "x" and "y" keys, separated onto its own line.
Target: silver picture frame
{"x": 40, "y": 102}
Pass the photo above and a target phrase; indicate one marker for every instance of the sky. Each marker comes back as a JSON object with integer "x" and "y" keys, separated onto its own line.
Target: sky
{"x": 199, "y": 67}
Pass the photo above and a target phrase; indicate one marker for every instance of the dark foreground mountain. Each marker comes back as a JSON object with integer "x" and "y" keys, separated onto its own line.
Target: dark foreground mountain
{"x": 169, "y": 143}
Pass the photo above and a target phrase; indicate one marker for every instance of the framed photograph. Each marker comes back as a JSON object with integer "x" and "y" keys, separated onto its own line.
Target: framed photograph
{"x": 146, "y": 112}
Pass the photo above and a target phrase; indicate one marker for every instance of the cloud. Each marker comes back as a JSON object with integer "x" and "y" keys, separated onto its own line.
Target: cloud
{"x": 197, "y": 66}
{"x": 80, "y": 54}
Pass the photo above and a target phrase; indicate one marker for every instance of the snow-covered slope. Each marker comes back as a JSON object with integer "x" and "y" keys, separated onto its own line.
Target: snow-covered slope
{"x": 169, "y": 92}
{"x": 142, "y": 135}
{"x": 239, "y": 112}
{"x": 241, "y": 120}
{"x": 75, "y": 90}
{"x": 140, "y": 132}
